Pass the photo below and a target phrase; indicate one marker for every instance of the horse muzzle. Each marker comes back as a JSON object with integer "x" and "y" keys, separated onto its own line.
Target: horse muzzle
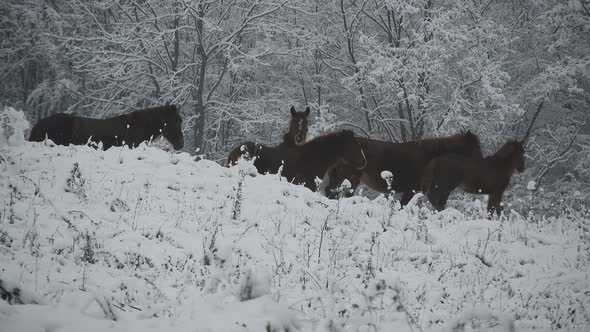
{"x": 179, "y": 145}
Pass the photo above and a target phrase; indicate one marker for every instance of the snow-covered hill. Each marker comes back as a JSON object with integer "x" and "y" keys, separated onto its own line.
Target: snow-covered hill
{"x": 143, "y": 239}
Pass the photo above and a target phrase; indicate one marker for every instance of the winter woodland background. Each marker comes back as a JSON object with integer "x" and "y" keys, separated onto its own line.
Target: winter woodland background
{"x": 93, "y": 240}
{"x": 395, "y": 70}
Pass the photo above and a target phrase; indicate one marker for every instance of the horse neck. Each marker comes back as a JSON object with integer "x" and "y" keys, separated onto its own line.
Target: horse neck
{"x": 501, "y": 163}
{"x": 154, "y": 121}
{"x": 288, "y": 140}
{"x": 439, "y": 146}
{"x": 330, "y": 148}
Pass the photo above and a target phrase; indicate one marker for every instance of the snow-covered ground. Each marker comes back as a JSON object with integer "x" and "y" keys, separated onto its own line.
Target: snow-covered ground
{"x": 146, "y": 240}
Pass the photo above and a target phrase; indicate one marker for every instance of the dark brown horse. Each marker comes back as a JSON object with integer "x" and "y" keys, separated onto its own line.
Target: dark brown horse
{"x": 302, "y": 164}
{"x": 490, "y": 175}
{"x": 296, "y": 135}
{"x": 129, "y": 129}
{"x": 406, "y": 162}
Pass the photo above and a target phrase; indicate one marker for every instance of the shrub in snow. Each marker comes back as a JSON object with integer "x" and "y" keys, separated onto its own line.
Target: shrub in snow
{"x": 343, "y": 190}
{"x": 318, "y": 183}
{"x": 379, "y": 307}
{"x": 11, "y": 214}
{"x": 88, "y": 250}
{"x": 388, "y": 177}
{"x": 552, "y": 199}
{"x": 323, "y": 122}
{"x": 12, "y": 127}
{"x": 421, "y": 227}
{"x": 532, "y": 185}
{"x": 11, "y": 293}
{"x": 75, "y": 183}
{"x": 118, "y": 205}
{"x": 253, "y": 284}
{"x": 237, "y": 209}
{"x": 479, "y": 318}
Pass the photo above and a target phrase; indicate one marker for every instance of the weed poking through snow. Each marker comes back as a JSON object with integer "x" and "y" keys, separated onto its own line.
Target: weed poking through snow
{"x": 75, "y": 183}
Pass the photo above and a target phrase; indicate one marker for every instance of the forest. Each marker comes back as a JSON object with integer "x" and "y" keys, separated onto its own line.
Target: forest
{"x": 388, "y": 69}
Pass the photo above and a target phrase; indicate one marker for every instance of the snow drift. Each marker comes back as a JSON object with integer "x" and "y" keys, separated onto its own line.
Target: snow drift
{"x": 144, "y": 239}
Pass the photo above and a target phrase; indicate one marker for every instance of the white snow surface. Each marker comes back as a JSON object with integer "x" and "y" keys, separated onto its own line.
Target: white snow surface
{"x": 13, "y": 125}
{"x": 531, "y": 185}
{"x": 386, "y": 175}
{"x": 346, "y": 184}
{"x": 146, "y": 240}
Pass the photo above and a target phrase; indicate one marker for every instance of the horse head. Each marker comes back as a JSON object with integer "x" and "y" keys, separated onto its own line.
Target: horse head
{"x": 353, "y": 151}
{"x": 513, "y": 152}
{"x": 472, "y": 145}
{"x": 172, "y": 130}
{"x": 519, "y": 156}
{"x": 298, "y": 126}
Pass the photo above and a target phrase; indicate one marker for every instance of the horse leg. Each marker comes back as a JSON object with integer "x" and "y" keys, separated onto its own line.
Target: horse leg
{"x": 355, "y": 180}
{"x": 309, "y": 183}
{"x": 442, "y": 201}
{"x": 494, "y": 204}
{"x": 432, "y": 198}
{"x": 336, "y": 175}
{"x": 406, "y": 197}
{"x": 332, "y": 179}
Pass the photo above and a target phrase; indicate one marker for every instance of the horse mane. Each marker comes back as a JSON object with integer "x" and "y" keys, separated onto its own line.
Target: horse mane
{"x": 507, "y": 150}
{"x": 168, "y": 108}
{"x": 334, "y": 136}
{"x": 438, "y": 145}
{"x": 287, "y": 139}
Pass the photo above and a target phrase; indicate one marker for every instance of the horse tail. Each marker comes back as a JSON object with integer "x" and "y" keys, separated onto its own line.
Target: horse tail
{"x": 38, "y": 132}
{"x": 35, "y": 133}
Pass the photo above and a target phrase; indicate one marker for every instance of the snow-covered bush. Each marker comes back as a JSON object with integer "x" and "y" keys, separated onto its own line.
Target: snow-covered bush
{"x": 324, "y": 121}
{"x": 13, "y": 125}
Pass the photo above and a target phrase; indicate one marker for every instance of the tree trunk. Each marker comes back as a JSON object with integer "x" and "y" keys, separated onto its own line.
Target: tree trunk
{"x": 199, "y": 128}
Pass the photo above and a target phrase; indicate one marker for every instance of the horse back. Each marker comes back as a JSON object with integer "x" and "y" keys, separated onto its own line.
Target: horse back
{"x": 404, "y": 160}
{"x": 57, "y": 127}
{"x": 446, "y": 172}
{"x": 110, "y": 132}
{"x": 485, "y": 177}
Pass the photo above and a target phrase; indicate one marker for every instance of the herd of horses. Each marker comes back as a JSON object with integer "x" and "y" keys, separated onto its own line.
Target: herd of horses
{"x": 434, "y": 166}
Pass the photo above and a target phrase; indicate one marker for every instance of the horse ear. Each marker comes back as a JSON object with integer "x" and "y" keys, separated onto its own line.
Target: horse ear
{"x": 293, "y": 111}
{"x": 307, "y": 111}
{"x": 510, "y": 149}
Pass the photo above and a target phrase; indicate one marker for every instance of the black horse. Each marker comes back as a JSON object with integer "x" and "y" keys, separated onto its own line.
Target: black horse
{"x": 490, "y": 175}
{"x": 129, "y": 129}
{"x": 302, "y": 164}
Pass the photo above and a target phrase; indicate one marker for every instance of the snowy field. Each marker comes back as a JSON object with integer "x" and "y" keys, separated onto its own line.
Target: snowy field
{"x": 148, "y": 240}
